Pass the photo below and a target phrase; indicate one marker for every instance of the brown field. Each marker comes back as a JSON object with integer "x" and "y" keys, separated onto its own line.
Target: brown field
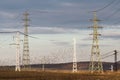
{"x": 57, "y": 75}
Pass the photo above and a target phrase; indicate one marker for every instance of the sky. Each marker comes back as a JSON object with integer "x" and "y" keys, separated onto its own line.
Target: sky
{"x": 55, "y": 23}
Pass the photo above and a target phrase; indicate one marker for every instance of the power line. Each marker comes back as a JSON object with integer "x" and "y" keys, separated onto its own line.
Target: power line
{"x": 117, "y": 22}
{"x": 110, "y": 3}
{"x": 107, "y": 56}
{"x": 118, "y": 51}
{"x": 107, "y": 53}
{"x": 3, "y": 43}
{"x": 113, "y": 14}
{"x": 19, "y": 32}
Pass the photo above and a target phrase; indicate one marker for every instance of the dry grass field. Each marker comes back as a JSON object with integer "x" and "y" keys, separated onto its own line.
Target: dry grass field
{"x": 56, "y": 75}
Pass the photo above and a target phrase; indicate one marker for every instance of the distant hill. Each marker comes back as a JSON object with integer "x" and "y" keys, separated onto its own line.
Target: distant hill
{"x": 65, "y": 66}
{"x": 68, "y": 66}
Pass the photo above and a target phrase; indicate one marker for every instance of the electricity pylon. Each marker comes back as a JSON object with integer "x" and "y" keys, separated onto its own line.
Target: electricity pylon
{"x": 26, "y": 56}
{"x": 43, "y": 63}
{"x": 17, "y": 52}
{"x": 18, "y": 59}
{"x": 95, "y": 61}
{"x": 74, "y": 56}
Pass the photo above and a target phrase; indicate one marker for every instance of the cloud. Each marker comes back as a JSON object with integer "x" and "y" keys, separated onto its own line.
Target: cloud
{"x": 111, "y": 32}
{"x": 51, "y": 30}
{"x": 60, "y": 17}
{"x": 10, "y": 25}
{"x": 70, "y": 4}
{"x": 61, "y": 43}
{"x": 9, "y": 20}
{"x": 112, "y": 35}
{"x": 7, "y": 15}
{"x": 62, "y": 14}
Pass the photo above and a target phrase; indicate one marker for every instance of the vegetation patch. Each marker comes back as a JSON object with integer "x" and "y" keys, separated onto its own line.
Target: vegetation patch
{"x": 49, "y": 75}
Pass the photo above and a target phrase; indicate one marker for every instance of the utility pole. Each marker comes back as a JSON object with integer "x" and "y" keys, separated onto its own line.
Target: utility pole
{"x": 74, "y": 56}
{"x": 95, "y": 61}
{"x": 111, "y": 68}
{"x": 115, "y": 64}
{"x": 43, "y": 64}
{"x": 43, "y": 67}
{"x": 26, "y": 56}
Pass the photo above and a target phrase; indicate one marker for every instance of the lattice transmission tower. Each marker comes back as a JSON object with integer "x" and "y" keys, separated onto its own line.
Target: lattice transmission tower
{"x": 26, "y": 56}
{"x": 17, "y": 68}
{"x": 74, "y": 56}
{"x": 95, "y": 61}
{"x": 18, "y": 57}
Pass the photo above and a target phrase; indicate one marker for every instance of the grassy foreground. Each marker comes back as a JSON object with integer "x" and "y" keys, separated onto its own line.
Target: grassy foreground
{"x": 48, "y": 75}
